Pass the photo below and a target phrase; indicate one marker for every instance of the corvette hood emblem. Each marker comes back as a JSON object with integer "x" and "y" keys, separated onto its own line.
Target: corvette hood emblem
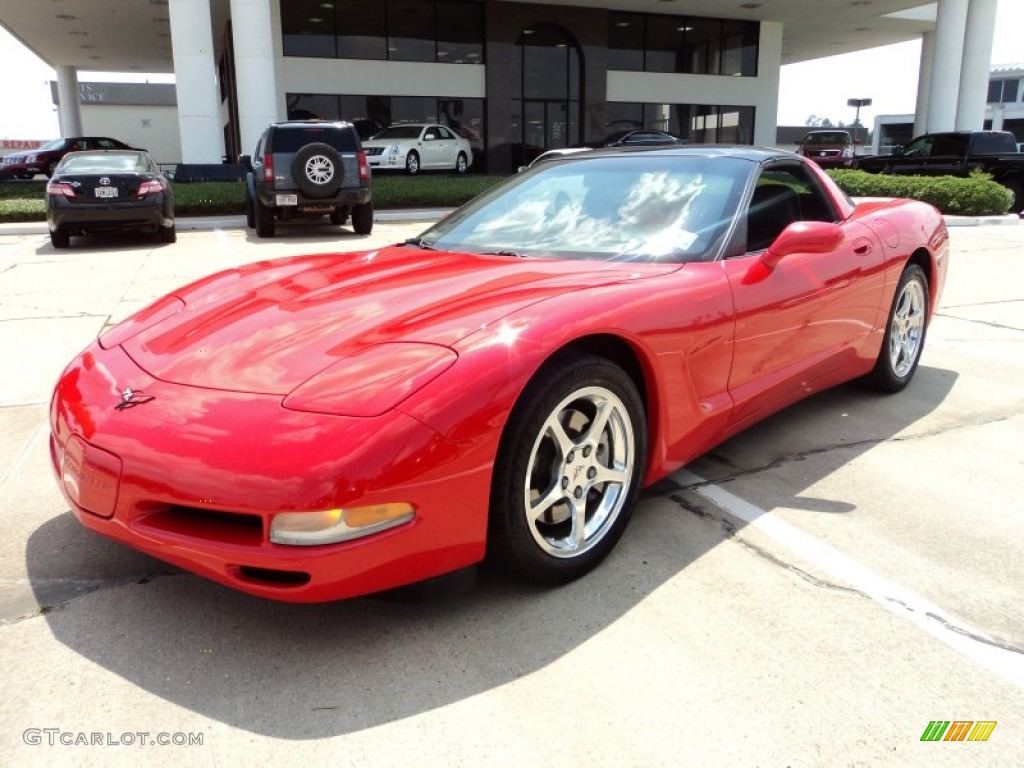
{"x": 133, "y": 397}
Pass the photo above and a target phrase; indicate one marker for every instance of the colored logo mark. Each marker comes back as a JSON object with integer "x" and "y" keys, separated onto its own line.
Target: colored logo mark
{"x": 959, "y": 730}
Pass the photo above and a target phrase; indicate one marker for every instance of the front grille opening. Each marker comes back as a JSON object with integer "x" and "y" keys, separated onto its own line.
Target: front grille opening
{"x": 209, "y": 524}
{"x": 273, "y": 577}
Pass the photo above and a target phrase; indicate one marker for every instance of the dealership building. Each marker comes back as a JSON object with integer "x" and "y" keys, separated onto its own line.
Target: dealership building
{"x": 515, "y": 78}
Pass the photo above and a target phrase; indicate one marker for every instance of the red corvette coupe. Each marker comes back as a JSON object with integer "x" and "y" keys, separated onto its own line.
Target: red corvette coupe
{"x": 321, "y": 427}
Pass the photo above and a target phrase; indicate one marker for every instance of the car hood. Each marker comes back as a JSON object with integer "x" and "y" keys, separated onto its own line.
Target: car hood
{"x": 270, "y": 326}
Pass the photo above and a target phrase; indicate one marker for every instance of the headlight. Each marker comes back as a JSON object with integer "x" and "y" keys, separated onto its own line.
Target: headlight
{"x": 372, "y": 381}
{"x": 31, "y": 159}
{"x": 334, "y": 525}
{"x": 394, "y": 149}
{"x": 848, "y": 152}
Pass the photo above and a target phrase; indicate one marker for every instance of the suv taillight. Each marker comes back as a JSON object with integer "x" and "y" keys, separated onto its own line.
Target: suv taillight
{"x": 60, "y": 188}
{"x": 364, "y": 166}
{"x": 268, "y": 167}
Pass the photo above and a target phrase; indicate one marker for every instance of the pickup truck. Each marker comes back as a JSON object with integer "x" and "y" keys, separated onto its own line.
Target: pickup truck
{"x": 957, "y": 154}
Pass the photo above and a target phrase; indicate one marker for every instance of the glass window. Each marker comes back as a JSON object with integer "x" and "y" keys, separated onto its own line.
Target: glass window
{"x": 626, "y": 41}
{"x": 703, "y": 47}
{"x": 312, "y": 106}
{"x": 361, "y": 29}
{"x": 739, "y": 48}
{"x": 307, "y": 28}
{"x": 665, "y": 43}
{"x": 460, "y": 33}
{"x": 623, "y": 115}
{"x": 995, "y": 91}
{"x": 465, "y": 117}
{"x": 546, "y": 60}
{"x": 1010, "y": 90}
{"x": 413, "y": 109}
{"x": 411, "y": 30}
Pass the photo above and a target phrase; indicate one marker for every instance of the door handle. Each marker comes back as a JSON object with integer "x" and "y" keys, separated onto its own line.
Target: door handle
{"x": 862, "y": 248}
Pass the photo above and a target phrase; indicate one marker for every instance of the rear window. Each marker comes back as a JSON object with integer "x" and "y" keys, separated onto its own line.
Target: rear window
{"x": 127, "y": 162}
{"x": 294, "y": 138}
{"x": 994, "y": 144}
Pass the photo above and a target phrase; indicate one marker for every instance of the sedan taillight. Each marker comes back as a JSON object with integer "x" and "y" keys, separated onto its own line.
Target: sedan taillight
{"x": 151, "y": 187}
{"x": 60, "y": 189}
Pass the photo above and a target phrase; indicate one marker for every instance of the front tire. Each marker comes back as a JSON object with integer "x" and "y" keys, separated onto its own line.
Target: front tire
{"x": 904, "y": 334}
{"x": 568, "y": 472}
{"x": 412, "y": 163}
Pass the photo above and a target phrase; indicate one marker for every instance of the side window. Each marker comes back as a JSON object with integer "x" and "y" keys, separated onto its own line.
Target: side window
{"x": 920, "y": 148}
{"x": 259, "y": 147}
{"x": 783, "y": 195}
{"x": 431, "y": 133}
{"x": 444, "y": 133}
{"x": 105, "y": 144}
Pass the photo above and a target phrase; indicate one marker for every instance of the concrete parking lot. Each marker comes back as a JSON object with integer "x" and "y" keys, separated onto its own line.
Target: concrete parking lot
{"x": 814, "y": 592}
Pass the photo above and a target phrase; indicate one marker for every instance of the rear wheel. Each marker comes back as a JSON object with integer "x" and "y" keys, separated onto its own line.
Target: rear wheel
{"x": 60, "y": 239}
{"x": 461, "y": 163}
{"x": 904, "y": 335}
{"x": 250, "y": 213}
{"x": 264, "y": 219}
{"x": 362, "y": 218}
{"x": 568, "y": 471}
{"x": 1017, "y": 206}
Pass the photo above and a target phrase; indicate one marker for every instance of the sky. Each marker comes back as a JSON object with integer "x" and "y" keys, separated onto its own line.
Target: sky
{"x": 887, "y": 75}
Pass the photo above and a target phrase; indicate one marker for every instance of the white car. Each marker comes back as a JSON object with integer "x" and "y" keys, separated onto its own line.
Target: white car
{"x": 418, "y": 146}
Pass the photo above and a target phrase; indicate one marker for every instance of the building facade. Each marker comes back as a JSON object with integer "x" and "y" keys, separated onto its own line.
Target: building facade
{"x": 515, "y": 79}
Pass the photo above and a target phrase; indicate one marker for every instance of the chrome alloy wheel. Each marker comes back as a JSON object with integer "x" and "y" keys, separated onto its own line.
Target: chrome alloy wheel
{"x": 579, "y": 472}
{"x": 907, "y": 329}
{"x": 319, "y": 169}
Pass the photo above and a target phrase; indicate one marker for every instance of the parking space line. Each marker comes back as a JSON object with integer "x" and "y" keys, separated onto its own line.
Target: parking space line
{"x": 899, "y": 600}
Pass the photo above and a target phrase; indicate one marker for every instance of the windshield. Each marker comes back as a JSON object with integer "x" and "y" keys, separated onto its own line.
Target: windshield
{"x": 51, "y": 145}
{"x": 400, "y": 132}
{"x": 633, "y": 207}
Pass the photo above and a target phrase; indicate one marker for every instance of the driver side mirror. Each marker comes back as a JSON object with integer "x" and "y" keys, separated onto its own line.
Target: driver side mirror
{"x": 897, "y": 151}
{"x": 429, "y": 137}
{"x": 246, "y": 160}
{"x": 803, "y": 237}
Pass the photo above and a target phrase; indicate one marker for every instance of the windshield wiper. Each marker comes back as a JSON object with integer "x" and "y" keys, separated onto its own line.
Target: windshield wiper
{"x": 419, "y": 242}
{"x": 504, "y": 252}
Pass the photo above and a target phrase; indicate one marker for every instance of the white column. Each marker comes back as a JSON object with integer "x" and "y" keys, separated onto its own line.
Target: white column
{"x": 977, "y": 61}
{"x": 255, "y": 76}
{"x": 202, "y": 140}
{"x": 949, "y": 49}
{"x": 924, "y": 83}
{"x": 769, "y": 66}
{"x": 69, "y": 111}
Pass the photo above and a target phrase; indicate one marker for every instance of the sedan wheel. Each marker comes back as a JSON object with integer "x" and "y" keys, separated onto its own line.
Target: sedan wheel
{"x": 461, "y": 164}
{"x": 569, "y": 470}
{"x": 412, "y": 164}
{"x": 904, "y": 335}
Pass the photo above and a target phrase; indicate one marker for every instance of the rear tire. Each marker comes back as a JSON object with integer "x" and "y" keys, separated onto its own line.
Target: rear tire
{"x": 60, "y": 239}
{"x": 264, "y": 219}
{"x": 250, "y": 214}
{"x": 362, "y": 218}
{"x": 461, "y": 164}
{"x": 904, "y": 334}
{"x": 1017, "y": 206}
{"x": 169, "y": 234}
{"x": 568, "y": 471}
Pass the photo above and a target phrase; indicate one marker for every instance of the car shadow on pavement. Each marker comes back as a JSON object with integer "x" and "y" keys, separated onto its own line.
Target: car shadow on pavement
{"x": 313, "y": 671}
{"x": 104, "y": 242}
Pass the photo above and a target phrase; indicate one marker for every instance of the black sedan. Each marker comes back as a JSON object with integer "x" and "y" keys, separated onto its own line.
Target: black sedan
{"x": 108, "y": 190}
{"x": 638, "y": 137}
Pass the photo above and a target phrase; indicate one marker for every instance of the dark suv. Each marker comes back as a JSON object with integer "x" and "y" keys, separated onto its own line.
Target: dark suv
{"x": 308, "y": 168}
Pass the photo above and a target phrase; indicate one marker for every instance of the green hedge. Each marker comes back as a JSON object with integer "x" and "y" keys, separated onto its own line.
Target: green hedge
{"x": 976, "y": 195}
{"x": 24, "y": 201}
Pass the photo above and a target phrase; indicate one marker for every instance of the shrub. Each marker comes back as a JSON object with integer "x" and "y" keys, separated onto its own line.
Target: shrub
{"x": 24, "y": 202}
{"x": 976, "y": 195}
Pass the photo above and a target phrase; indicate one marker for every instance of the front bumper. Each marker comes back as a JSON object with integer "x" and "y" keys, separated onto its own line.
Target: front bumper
{"x": 194, "y": 477}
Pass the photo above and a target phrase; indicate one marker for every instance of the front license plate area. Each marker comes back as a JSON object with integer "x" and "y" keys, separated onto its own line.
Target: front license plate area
{"x": 105, "y": 192}
{"x": 287, "y": 199}
{"x": 91, "y": 476}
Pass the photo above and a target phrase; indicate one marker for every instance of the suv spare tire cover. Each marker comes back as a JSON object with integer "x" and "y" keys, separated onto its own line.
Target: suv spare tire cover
{"x": 318, "y": 170}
